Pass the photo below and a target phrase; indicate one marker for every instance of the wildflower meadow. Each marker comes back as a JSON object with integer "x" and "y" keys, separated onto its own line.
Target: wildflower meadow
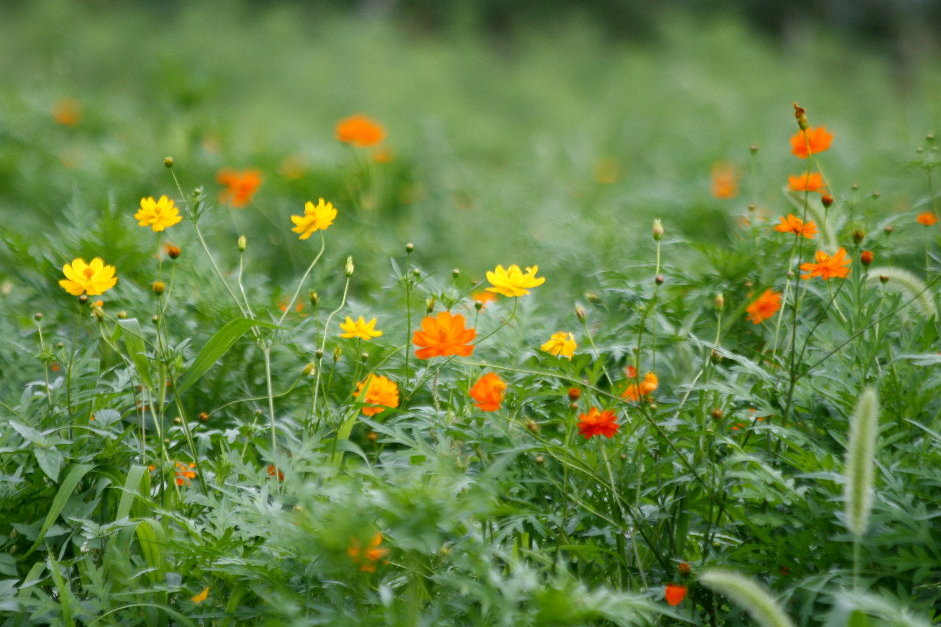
{"x": 383, "y": 355}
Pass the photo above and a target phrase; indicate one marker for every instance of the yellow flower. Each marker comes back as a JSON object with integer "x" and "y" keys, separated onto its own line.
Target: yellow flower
{"x": 157, "y": 214}
{"x": 512, "y": 282}
{"x": 361, "y": 329}
{"x": 560, "y": 343}
{"x": 87, "y": 278}
{"x": 199, "y": 598}
{"x": 316, "y": 218}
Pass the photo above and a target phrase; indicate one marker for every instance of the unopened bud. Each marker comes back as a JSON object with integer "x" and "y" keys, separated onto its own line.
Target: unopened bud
{"x": 875, "y": 195}
{"x": 532, "y": 426}
{"x": 657, "y": 229}
{"x": 313, "y": 298}
{"x": 310, "y": 369}
{"x": 203, "y": 416}
{"x": 337, "y": 353}
{"x": 684, "y": 568}
{"x": 409, "y": 248}
{"x": 592, "y": 297}
{"x": 122, "y": 315}
{"x": 580, "y": 312}
{"x": 159, "y": 287}
{"x": 858, "y": 236}
{"x": 349, "y": 267}
{"x": 168, "y": 162}
{"x": 720, "y": 302}
{"x": 801, "y": 116}
{"x": 717, "y": 414}
{"x": 429, "y": 304}
{"x": 318, "y": 354}
{"x": 416, "y": 272}
{"x": 929, "y": 137}
{"x": 884, "y": 278}
{"x": 364, "y": 357}
{"x": 539, "y": 459}
{"x": 37, "y": 316}
{"x": 478, "y": 305}
{"x": 715, "y": 356}
{"x": 888, "y": 229}
{"x": 83, "y": 298}
{"x": 178, "y": 420}
{"x": 826, "y": 200}
{"x": 372, "y": 436}
{"x": 854, "y": 186}
{"x": 455, "y": 273}
{"x": 659, "y": 279}
{"x": 866, "y": 257}
{"x": 173, "y": 252}
{"x": 242, "y": 243}
{"x": 574, "y": 394}
{"x": 753, "y": 149}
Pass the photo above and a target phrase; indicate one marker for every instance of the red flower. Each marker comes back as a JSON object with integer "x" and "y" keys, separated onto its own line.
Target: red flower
{"x": 598, "y": 423}
{"x": 674, "y": 594}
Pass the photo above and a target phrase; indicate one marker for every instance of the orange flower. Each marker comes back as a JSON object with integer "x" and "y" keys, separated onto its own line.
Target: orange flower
{"x": 598, "y": 423}
{"x": 793, "y": 224}
{"x": 635, "y": 390}
{"x": 274, "y": 471}
{"x": 827, "y": 267}
{"x": 67, "y": 112}
{"x": 764, "y": 306}
{"x": 488, "y": 392}
{"x": 380, "y": 390}
{"x": 359, "y": 130}
{"x": 199, "y": 598}
{"x": 811, "y": 141}
{"x": 240, "y": 186}
{"x": 184, "y": 473}
{"x": 674, "y": 594}
{"x": 443, "y": 335}
{"x": 724, "y": 180}
{"x": 812, "y": 182}
{"x": 367, "y": 558}
{"x": 927, "y": 218}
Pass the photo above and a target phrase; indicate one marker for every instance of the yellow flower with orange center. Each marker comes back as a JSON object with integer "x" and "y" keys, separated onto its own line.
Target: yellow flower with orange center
{"x": 316, "y": 218}
{"x": 88, "y": 278}
{"x": 157, "y": 214}
{"x": 560, "y": 344}
{"x": 512, "y": 282}
{"x": 379, "y": 393}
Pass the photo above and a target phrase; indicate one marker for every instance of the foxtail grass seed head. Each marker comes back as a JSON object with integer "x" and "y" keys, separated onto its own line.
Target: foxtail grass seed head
{"x": 349, "y": 268}
{"x": 657, "y": 229}
{"x": 242, "y": 243}
{"x": 916, "y": 291}
{"x": 859, "y": 469}
{"x": 747, "y": 594}
{"x": 168, "y": 162}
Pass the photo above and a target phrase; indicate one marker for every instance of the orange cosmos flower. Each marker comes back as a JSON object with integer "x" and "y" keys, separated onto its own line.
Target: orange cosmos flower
{"x": 674, "y": 594}
{"x": 598, "y": 423}
{"x": 367, "y": 558}
{"x": 240, "y": 186}
{"x": 359, "y": 130}
{"x": 379, "y": 390}
{"x": 635, "y": 390}
{"x": 793, "y": 224}
{"x": 724, "y": 180}
{"x": 927, "y": 218}
{"x": 274, "y": 471}
{"x": 812, "y": 182}
{"x": 199, "y": 598}
{"x": 827, "y": 267}
{"x": 764, "y": 306}
{"x": 488, "y": 392}
{"x": 184, "y": 473}
{"x": 443, "y": 335}
{"x": 67, "y": 112}
{"x": 811, "y": 141}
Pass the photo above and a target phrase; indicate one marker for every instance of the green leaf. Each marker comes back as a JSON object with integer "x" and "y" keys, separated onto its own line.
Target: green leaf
{"x": 153, "y": 539}
{"x": 136, "y": 349}
{"x": 58, "y": 502}
{"x": 132, "y": 489}
{"x": 217, "y": 346}
{"x": 50, "y": 460}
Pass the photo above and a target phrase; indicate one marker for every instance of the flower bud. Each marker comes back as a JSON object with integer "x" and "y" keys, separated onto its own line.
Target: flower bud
{"x": 337, "y": 353}
{"x": 574, "y": 394}
{"x": 858, "y": 236}
{"x": 752, "y": 207}
{"x": 884, "y": 278}
{"x": 372, "y": 436}
{"x": 539, "y": 459}
{"x": 416, "y": 272}
{"x": 455, "y": 273}
{"x": 657, "y": 229}
{"x": 826, "y": 200}
{"x": 159, "y": 287}
{"x": 854, "y": 187}
{"x": 122, "y": 315}
{"x": 659, "y": 279}
{"x": 168, "y": 162}
{"x": 875, "y": 195}
{"x": 409, "y": 248}
{"x": 37, "y": 316}
{"x": 313, "y": 298}
{"x": 580, "y": 312}
{"x": 684, "y": 568}
{"x": 717, "y": 414}
{"x": 592, "y": 297}
{"x": 429, "y": 304}
{"x": 929, "y": 137}
{"x": 242, "y": 243}
{"x": 318, "y": 354}
{"x": 888, "y": 229}
{"x": 203, "y": 416}
{"x": 532, "y": 426}
{"x": 173, "y": 252}
{"x": 363, "y": 357}
{"x": 349, "y": 267}
{"x": 753, "y": 149}
{"x": 478, "y": 305}
{"x": 310, "y": 369}
{"x": 800, "y": 114}
{"x": 83, "y": 298}
{"x": 720, "y": 302}
{"x": 866, "y": 257}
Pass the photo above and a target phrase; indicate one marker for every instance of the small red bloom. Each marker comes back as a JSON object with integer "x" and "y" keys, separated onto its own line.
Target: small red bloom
{"x": 674, "y": 594}
{"x": 598, "y": 423}
{"x": 927, "y": 218}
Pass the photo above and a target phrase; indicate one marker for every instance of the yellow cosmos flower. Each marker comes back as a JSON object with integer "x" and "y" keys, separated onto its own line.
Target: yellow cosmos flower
{"x": 157, "y": 214}
{"x": 199, "y": 598}
{"x": 316, "y": 218}
{"x": 560, "y": 343}
{"x": 87, "y": 278}
{"x": 512, "y": 282}
{"x": 361, "y": 329}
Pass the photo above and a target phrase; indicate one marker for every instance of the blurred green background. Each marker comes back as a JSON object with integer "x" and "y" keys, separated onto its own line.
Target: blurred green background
{"x": 521, "y": 132}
